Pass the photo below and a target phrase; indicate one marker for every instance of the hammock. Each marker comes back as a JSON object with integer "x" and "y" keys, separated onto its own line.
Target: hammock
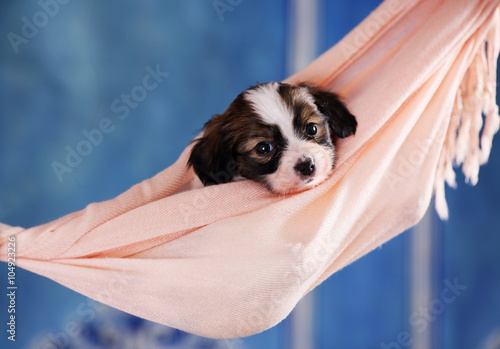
{"x": 232, "y": 260}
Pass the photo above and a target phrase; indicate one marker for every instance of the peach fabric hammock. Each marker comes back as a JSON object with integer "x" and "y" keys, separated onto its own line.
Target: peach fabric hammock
{"x": 232, "y": 260}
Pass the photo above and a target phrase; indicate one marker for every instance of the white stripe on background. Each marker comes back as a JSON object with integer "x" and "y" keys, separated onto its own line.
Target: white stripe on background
{"x": 301, "y": 50}
{"x": 302, "y": 35}
{"x": 421, "y": 277}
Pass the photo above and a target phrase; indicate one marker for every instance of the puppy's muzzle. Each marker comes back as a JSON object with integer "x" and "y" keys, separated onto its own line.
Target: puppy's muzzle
{"x": 305, "y": 168}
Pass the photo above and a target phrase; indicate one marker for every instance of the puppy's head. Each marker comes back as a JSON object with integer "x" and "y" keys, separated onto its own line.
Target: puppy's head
{"x": 276, "y": 134}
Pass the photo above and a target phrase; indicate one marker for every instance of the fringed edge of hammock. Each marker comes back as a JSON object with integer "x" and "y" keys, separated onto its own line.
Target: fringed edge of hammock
{"x": 468, "y": 142}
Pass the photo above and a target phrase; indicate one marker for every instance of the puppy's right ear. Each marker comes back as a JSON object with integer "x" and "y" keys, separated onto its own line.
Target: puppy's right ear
{"x": 212, "y": 157}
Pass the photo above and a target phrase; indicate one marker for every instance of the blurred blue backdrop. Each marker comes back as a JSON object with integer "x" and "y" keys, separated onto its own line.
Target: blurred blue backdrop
{"x": 65, "y": 66}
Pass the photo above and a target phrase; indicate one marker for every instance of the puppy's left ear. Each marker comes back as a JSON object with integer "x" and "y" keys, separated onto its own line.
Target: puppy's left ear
{"x": 340, "y": 119}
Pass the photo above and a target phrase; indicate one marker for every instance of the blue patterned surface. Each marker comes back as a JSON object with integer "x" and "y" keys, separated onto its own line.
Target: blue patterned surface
{"x": 99, "y": 326}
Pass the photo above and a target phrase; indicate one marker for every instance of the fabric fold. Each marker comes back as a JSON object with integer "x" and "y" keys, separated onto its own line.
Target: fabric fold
{"x": 233, "y": 260}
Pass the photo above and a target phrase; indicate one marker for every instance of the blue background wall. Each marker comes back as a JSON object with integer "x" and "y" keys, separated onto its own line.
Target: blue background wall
{"x": 64, "y": 80}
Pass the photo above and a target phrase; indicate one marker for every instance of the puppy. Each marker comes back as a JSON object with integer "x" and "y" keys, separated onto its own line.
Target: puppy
{"x": 276, "y": 134}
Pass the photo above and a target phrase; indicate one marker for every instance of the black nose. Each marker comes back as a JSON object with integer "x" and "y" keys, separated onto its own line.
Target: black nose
{"x": 305, "y": 168}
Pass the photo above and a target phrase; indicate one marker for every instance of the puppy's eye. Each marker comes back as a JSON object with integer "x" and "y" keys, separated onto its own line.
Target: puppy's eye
{"x": 264, "y": 148}
{"x": 311, "y": 129}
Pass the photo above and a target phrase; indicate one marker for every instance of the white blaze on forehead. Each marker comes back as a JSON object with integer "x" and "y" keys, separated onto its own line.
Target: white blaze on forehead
{"x": 268, "y": 104}
{"x": 303, "y": 93}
